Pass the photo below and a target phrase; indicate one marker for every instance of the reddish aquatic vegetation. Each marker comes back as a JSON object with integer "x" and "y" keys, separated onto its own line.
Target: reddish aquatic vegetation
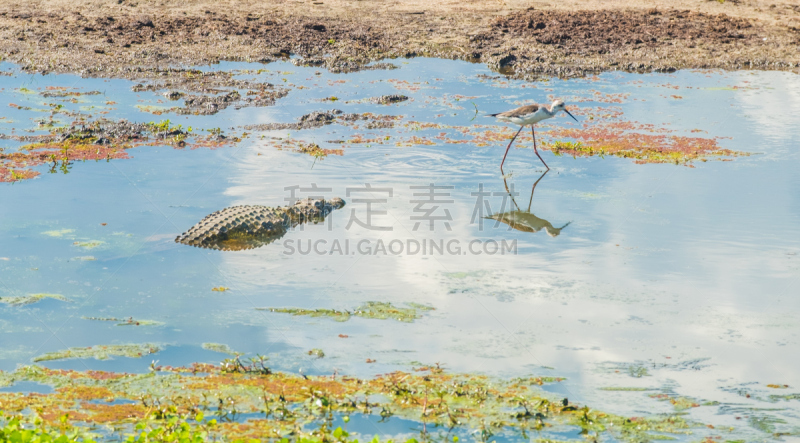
{"x": 358, "y": 139}
{"x": 404, "y": 85}
{"x": 593, "y": 96}
{"x": 8, "y": 174}
{"x": 253, "y": 430}
{"x": 643, "y": 147}
{"x": 287, "y": 402}
{"x": 98, "y": 141}
{"x": 104, "y": 413}
{"x": 415, "y": 141}
{"x": 80, "y": 392}
{"x": 292, "y": 388}
{"x": 604, "y": 113}
{"x": 103, "y": 375}
{"x": 304, "y": 147}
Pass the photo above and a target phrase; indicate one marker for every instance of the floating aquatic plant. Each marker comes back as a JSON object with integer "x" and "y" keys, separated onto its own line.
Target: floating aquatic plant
{"x": 19, "y": 300}
{"x": 221, "y": 348}
{"x": 130, "y": 321}
{"x": 59, "y": 232}
{"x": 371, "y": 309}
{"x": 212, "y": 399}
{"x": 101, "y": 352}
{"x": 91, "y": 244}
{"x": 316, "y": 352}
{"x": 97, "y": 140}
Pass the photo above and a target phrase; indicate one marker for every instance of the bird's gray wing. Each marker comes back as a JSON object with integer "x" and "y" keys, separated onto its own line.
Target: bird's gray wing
{"x": 520, "y": 112}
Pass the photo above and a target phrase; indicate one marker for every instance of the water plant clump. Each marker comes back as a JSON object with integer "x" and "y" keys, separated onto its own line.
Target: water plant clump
{"x": 130, "y": 321}
{"x": 243, "y": 402}
{"x": 22, "y": 429}
{"x": 103, "y": 352}
{"x": 221, "y": 348}
{"x": 19, "y": 300}
{"x": 370, "y": 309}
{"x": 98, "y": 140}
{"x": 642, "y": 148}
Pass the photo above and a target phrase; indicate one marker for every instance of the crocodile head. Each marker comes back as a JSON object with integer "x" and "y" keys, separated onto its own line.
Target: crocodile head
{"x": 313, "y": 210}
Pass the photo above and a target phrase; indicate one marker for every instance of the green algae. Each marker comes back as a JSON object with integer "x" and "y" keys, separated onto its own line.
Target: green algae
{"x": 91, "y": 244}
{"x": 84, "y": 258}
{"x": 765, "y": 423}
{"x": 59, "y": 233}
{"x": 638, "y": 371}
{"x": 330, "y": 313}
{"x": 155, "y": 109}
{"x": 101, "y": 352}
{"x": 786, "y": 397}
{"x": 624, "y": 389}
{"x": 316, "y": 352}
{"x": 296, "y": 407}
{"x": 370, "y": 309}
{"x": 185, "y": 428}
{"x": 20, "y": 300}
{"x": 680, "y": 403}
{"x": 130, "y": 321}
{"x": 221, "y": 348}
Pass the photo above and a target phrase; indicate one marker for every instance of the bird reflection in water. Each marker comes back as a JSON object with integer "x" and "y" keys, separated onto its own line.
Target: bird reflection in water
{"x": 526, "y": 221}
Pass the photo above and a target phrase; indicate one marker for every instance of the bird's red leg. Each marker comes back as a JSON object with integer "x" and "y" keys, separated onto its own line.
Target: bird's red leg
{"x": 509, "y": 147}
{"x": 536, "y": 150}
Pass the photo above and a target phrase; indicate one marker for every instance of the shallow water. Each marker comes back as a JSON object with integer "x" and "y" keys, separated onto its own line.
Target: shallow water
{"x": 676, "y": 279}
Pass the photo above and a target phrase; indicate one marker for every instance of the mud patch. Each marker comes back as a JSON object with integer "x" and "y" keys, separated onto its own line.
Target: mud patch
{"x": 311, "y": 120}
{"x": 523, "y": 43}
{"x": 603, "y": 32}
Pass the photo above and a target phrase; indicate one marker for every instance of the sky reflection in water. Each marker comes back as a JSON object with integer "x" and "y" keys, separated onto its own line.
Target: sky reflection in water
{"x": 689, "y": 273}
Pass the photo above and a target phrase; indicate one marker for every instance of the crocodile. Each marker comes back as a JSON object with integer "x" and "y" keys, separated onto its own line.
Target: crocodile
{"x": 246, "y": 227}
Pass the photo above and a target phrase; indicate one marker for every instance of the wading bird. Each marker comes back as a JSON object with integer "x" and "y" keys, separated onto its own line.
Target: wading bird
{"x": 530, "y": 115}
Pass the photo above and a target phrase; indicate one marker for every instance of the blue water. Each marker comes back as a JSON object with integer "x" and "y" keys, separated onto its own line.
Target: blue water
{"x": 691, "y": 273}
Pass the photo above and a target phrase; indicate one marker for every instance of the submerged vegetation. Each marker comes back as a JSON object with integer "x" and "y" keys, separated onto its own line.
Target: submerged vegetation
{"x": 18, "y": 300}
{"x": 205, "y": 402}
{"x": 641, "y": 147}
{"x": 370, "y": 309}
{"x": 604, "y": 131}
{"x": 130, "y": 321}
{"x": 101, "y": 352}
{"x": 243, "y": 398}
{"x": 101, "y": 139}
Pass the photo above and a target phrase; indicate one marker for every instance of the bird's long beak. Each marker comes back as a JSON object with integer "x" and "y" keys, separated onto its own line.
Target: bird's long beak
{"x": 573, "y": 117}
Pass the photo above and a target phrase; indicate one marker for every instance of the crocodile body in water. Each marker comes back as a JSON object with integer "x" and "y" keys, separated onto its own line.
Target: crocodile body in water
{"x": 247, "y": 227}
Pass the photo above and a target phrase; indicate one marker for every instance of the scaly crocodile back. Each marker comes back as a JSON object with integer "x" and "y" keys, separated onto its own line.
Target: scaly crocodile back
{"x": 246, "y": 227}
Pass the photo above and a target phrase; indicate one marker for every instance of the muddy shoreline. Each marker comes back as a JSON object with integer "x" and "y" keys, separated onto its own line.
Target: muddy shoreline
{"x": 141, "y": 41}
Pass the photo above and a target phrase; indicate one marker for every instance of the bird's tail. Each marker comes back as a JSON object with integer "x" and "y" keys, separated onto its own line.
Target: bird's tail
{"x": 492, "y": 115}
